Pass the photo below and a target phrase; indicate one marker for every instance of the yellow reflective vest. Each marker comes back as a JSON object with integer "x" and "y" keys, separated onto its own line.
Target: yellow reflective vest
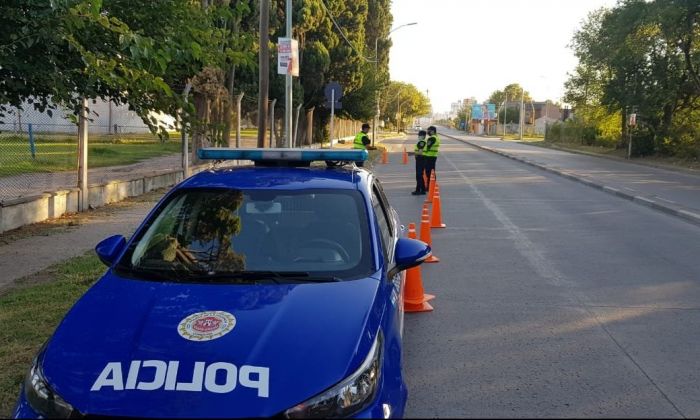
{"x": 434, "y": 149}
{"x": 420, "y": 147}
{"x": 357, "y": 144}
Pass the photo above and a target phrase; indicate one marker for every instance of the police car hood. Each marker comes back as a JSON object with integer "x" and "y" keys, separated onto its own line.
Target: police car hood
{"x": 130, "y": 347}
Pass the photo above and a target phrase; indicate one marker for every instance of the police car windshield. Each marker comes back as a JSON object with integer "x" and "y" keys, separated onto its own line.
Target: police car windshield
{"x": 199, "y": 235}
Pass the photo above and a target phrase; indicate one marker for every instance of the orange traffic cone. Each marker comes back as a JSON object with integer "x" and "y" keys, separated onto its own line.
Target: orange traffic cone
{"x": 415, "y": 299}
{"x": 405, "y": 157}
{"x": 436, "y": 219}
{"x": 426, "y": 237}
{"x": 385, "y": 157}
{"x": 425, "y": 179}
{"x": 431, "y": 189}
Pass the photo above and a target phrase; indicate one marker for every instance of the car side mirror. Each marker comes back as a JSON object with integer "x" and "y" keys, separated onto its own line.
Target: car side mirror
{"x": 109, "y": 249}
{"x": 409, "y": 253}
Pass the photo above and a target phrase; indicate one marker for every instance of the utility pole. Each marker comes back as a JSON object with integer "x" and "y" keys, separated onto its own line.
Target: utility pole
{"x": 288, "y": 82}
{"x": 505, "y": 114}
{"x": 546, "y": 117}
{"x": 238, "y": 119}
{"x": 263, "y": 70}
{"x": 398, "y": 112}
{"x": 522, "y": 115}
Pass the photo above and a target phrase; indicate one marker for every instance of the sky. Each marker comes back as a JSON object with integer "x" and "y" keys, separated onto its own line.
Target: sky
{"x": 468, "y": 48}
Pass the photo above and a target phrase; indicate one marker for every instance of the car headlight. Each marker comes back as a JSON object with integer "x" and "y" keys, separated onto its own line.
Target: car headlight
{"x": 41, "y": 397}
{"x": 350, "y": 395}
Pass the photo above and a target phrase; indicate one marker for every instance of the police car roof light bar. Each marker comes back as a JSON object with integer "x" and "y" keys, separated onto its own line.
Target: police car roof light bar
{"x": 282, "y": 154}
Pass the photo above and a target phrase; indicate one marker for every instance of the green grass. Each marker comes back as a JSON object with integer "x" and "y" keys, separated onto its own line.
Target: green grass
{"x": 55, "y": 154}
{"x": 30, "y": 312}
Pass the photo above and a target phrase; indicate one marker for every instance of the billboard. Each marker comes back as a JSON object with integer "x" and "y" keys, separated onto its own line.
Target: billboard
{"x": 492, "y": 111}
{"x": 484, "y": 112}
{"x": 477, "y": 112}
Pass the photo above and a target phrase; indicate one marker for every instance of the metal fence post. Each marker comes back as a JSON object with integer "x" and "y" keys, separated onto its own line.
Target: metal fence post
{"x": 83, "y": 157}
{"x": 32, "y": 147}
{"x": 272, "y": 122}
{"x": 296, "y": 126}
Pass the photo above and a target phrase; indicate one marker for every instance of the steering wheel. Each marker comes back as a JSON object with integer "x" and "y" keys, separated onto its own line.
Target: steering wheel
{"x": 326, "y": 243}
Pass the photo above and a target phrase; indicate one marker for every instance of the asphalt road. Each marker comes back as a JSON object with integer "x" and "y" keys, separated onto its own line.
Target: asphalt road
{"x": 554, "y": 299}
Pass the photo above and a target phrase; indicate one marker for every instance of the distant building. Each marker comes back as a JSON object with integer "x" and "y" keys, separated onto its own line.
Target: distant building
{"x": 537, "y": 110}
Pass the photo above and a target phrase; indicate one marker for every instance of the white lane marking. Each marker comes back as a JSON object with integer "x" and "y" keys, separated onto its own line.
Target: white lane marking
{"x": 523, "y": 244}
{"x": 548, "y": 272}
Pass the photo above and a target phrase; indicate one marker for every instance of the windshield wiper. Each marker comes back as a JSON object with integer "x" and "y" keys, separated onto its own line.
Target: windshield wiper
{"x": 274, "y": 276}
{"x": 164, "y": 274}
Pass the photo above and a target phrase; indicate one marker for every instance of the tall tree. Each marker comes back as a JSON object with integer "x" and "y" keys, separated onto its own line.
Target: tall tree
{"x": 512, "y": 92}
{"x": 402, "y": 102}
{"x": 640, "y": 56}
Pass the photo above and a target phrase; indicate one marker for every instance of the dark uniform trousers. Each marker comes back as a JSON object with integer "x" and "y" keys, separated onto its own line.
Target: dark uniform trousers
{"x": 420, "y": 167}
{"x": 428, "y": 167}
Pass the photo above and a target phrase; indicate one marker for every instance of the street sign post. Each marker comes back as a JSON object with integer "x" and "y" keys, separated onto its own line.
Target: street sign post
{"x": 631, "y": 123}
{"x": 333, "y": 93}
{"x": 288, "y": 65}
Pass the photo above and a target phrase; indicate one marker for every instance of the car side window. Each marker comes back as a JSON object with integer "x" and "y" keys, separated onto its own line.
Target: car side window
{"x": 387, "y": 207}
{"x": 383, "y": 218}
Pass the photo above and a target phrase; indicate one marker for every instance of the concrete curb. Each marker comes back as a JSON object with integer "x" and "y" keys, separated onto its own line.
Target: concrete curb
{"x": 18, "y": 212}
{"x": 686, "y": 215}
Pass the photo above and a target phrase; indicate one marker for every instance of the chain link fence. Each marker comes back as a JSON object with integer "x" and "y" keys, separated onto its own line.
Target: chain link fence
{"x": 39, "y": 152}
{"x": 36, "y": 155}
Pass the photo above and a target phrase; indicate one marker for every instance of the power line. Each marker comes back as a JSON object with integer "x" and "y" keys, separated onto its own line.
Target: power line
{"x": 323, "y": 3}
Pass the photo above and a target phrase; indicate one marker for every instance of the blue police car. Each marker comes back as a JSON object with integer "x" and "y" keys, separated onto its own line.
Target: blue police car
{"x": 268, "y": 290}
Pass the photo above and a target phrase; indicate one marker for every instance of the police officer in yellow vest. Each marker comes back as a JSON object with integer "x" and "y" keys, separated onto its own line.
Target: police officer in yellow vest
{"x": 362, "y": 140}
{"x": 420, "y": 163}
{"x": 430, "y": 153}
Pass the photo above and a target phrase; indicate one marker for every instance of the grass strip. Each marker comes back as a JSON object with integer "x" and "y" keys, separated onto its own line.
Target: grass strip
{"x": 31, "y": 311}
{"x": 16, "y": 159}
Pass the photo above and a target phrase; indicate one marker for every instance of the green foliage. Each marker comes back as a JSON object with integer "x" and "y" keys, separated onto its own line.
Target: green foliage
{"x": 642, "y": 57}
{"x": 571, "y": 132}
{"x": 511, "y": 114}
{"x": 143, "y": 54}
{"x": 512, "y": 92}
{"x": 402, "y": 100}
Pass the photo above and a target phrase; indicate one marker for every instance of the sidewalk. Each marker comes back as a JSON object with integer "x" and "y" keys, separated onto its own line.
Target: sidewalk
{"x": 44, "y": 244}
{"x": 673, "y": 192}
